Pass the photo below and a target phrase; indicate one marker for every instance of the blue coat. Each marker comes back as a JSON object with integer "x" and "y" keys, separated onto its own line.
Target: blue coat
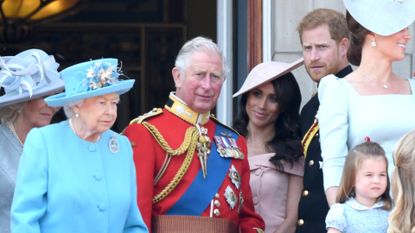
{"x": 66, "y": 184}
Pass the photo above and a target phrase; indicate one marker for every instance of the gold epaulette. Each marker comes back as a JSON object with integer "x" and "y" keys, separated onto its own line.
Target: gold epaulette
{"x": 228, "y": 127}
{"x": 308, "y": 137}
{"x": 152, "y": 113}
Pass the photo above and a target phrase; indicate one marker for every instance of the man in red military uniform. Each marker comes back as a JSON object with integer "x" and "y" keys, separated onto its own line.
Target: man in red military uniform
{"x": 192, "y": 171}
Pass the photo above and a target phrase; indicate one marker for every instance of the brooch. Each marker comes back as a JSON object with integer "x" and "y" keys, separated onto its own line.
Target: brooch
{"x": 235, "y": 177}
{"x": 230, "y": 196}
{"x": 113, "y": 145}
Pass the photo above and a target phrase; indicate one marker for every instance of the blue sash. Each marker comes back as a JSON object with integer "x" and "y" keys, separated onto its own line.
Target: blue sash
{"x": 202, "y": 190}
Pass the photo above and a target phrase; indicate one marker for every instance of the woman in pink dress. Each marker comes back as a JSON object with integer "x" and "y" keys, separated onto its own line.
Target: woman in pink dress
{"x": 269, "y": 120}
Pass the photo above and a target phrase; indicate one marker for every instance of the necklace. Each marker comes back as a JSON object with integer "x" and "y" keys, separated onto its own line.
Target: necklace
{"x": 13, "y": 130}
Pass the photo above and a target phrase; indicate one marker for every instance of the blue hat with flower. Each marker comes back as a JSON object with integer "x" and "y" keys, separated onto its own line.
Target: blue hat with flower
{"x": 90, "y": 79}
{"x": 28, "y": 75}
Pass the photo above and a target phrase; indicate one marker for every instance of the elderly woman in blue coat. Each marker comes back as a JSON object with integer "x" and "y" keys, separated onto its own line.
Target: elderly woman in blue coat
{"x": 78, "y": 175}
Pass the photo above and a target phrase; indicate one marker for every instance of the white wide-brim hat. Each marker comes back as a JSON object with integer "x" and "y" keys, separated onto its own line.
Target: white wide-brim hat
{"x": 90, "y": 79}
{"x": 266, "y": 72}
{"x": 28, "y": 75}
{"x": 383, "y": 17}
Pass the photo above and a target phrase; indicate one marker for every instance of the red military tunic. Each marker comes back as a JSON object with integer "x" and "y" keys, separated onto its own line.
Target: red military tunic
{"x": 149, "y": 158}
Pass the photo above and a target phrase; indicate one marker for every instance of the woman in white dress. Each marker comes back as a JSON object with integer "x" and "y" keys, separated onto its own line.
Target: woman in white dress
{"x": 371, "y": 102}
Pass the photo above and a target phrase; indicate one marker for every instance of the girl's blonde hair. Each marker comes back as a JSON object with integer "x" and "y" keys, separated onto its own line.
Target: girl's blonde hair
{"x": 402, "y": 217}
{"x": 353, "y": 162}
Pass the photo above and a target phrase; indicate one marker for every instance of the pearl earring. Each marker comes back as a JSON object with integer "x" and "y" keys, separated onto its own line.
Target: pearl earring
{"x": 373, "y": 43}
{"x": 76, "y": 115}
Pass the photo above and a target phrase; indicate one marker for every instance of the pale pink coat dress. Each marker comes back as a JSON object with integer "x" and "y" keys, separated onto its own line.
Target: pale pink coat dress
{"x": 270, "y": 188}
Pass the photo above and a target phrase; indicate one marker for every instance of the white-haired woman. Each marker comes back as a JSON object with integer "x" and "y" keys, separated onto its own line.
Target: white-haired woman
{"x": 84, "y": 180}
{"x": 25, "y": 78}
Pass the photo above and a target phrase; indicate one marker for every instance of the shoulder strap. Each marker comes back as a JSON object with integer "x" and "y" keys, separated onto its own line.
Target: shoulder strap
{"x": 154, "y": 112}
{"x": 223, "y": 125}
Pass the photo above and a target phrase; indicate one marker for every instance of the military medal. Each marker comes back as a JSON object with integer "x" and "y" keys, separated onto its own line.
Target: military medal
{"x": 241, "y": 201}
{"x": 220, "y": 147}
{"x": 235, "y": 177}
{"x": 227, "y": 147}
{"x": 203, "y": 148}
{"x": 230, "y": 196}
{"x": 237, "y": 151}
{"x": 113, "y": 145}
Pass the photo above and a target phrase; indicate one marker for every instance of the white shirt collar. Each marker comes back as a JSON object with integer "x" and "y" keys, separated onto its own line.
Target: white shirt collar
{"x": 357, "y": 206}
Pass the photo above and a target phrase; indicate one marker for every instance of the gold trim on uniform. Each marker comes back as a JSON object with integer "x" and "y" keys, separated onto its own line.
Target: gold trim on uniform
{"x": 196, "y": 137}
{"x": 180, "y": 109}
{"x": 189, "y": 145}
{"x": 152, "y": 113}
{"x": 203, "y": 148}
{"x": 311, "y": 133}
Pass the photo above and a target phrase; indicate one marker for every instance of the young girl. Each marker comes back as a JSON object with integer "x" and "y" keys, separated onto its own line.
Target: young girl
{"x": 363, "y": 195}
{"x": 402, "y": 217}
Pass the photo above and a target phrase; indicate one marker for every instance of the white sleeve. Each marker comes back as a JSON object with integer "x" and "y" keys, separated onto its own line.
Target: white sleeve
{"x": 333, "y": 122}
{"x": 335, "y": 217}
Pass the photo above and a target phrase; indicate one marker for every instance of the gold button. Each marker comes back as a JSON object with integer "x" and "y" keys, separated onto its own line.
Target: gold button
{"x": 217, "y": 195}
{"x": 305, "y": 193}
{"x": 310, "y": 163}
{"x": 300, "y": 222}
